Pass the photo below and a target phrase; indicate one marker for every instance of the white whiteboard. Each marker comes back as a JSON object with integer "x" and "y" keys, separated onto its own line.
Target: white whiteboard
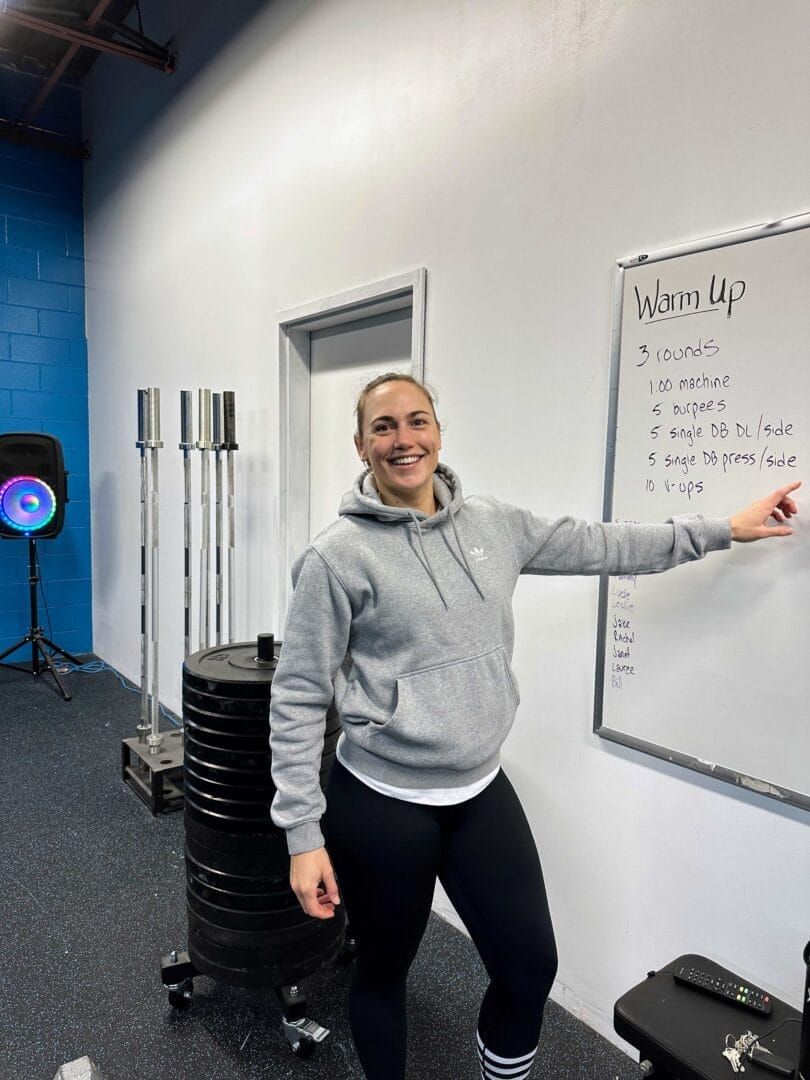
{"x": 708, "y": 665}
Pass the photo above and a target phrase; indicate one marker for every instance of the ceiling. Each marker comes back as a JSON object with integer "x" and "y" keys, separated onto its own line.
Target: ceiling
{"x": 47, "y": 43}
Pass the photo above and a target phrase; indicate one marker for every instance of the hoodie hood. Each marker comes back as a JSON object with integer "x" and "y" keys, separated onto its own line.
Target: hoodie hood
{"x": 364, "y": 501}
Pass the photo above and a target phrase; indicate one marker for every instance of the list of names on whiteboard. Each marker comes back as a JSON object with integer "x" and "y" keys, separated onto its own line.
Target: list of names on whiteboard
{"x": 620, "y": 629}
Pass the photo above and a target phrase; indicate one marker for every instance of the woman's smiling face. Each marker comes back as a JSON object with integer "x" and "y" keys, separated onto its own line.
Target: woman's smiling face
{"x": 400, "y": 442}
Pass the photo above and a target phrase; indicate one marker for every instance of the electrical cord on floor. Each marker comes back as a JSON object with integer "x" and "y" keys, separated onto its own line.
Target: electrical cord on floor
{"x": 93, "y": 667}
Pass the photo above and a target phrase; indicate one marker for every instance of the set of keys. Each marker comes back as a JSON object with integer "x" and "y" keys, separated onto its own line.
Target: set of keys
{"x": 735, "y": 1053}
{"x": 747, "y": 1048}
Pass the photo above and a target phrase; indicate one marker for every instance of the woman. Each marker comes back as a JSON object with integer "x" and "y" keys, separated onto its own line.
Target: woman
{"x": 404, "y": 604}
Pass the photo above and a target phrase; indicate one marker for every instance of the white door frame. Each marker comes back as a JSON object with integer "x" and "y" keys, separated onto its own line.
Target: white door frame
{"x": 295, "y": 329}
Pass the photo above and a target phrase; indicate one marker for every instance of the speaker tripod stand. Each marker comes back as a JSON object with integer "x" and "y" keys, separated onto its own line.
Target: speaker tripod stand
{"x": 36, "y": 635}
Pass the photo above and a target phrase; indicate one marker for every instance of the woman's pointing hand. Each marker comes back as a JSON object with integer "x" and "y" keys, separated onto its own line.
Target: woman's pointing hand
{"x": 749, "y": 524}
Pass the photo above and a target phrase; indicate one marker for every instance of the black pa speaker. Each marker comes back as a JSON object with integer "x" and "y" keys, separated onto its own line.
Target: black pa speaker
{"x": 33, "y": 485}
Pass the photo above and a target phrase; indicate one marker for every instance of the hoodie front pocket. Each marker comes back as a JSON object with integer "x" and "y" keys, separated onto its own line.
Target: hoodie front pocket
{"x": 452, "y": 716}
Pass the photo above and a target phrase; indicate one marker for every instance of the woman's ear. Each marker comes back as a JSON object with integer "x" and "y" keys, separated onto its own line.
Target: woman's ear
{"x": 358, "y": 445}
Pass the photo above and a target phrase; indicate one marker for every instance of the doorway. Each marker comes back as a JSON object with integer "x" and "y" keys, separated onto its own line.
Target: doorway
{"x": 328, "y": 350}
{"x": 342, "y": 360}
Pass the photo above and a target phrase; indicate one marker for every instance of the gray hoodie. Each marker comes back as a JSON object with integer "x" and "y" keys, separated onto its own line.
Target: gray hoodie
{"x": 407, "y": 619}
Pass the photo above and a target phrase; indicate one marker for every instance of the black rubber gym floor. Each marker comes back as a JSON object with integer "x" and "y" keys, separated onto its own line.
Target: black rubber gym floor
{"x": 93, "y": 893}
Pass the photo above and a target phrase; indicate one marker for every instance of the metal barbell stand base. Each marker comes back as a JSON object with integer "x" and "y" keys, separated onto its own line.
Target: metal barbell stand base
{"x": 157, "y": 779}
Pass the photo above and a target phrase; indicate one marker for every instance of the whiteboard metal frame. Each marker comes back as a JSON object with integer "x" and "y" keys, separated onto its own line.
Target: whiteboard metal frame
{"x": 677, "y": 757}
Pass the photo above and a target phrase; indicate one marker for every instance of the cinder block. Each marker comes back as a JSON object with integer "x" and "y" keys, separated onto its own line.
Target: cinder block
{"x": 13, "y": 624}
{"x": 72, "y": 564}
{"x": 61, "y": 268}
{"x": 30, "y": 349}
{"x": 14, "y": 567}
{"x": 78, "y": 513}
{"x": 18, "y": 376}
{"x": 38, "y": 294}
{"x": 11, "y": 424}
{"x": 18, "y": 320}
{"x": 36, "y": 235}
{"x": 76, "y": 299}
{"x": 18, "y": 262}
{"x": 30, "y": 178}
{"x": 77, "y": 459}
{"x": 13, "y": 596}
{"x": 75, "y": 641}
{"x": 68, "y": 169}
{"x": 61, "y": 324}
{"x": 73, "y": 435}
{"x": 66, "y": 618}
{"x": 42, "y": 406}
{"x": 75, "y": 240}
{"x": 78, "y": 351}
{"x": 78, "y": 485}
{"x": 35, "y": 206}
{"x": 62, "y": 594}
{"x": 59, "y": 379}
{"x": 19, "y": 204}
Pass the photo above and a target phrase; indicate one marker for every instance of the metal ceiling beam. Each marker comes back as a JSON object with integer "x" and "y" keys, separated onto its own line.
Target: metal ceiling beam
{"x": 158, "y": 57}
{"x": 33, "y": 106}
{"x": 43, "y": 140}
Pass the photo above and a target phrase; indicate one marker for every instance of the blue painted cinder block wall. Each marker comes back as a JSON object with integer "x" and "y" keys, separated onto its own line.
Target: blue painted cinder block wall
{"x": 43, "y": 364}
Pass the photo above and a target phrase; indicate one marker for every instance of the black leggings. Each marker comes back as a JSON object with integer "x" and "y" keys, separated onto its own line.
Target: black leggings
{"x": 387, "y": 854}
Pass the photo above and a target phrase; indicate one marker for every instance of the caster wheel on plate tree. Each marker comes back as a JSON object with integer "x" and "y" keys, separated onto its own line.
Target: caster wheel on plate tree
{"x": 180, "y": 996}
{"x": 303, "y": 1047}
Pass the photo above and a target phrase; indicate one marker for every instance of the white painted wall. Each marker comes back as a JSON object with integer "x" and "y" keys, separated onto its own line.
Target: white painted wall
{"x": 516, "y": 149}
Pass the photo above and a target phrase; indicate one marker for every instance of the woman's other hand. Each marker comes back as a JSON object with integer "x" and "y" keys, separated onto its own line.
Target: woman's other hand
{"x": 313, "y": 881}
{"x": 750, "y": 524}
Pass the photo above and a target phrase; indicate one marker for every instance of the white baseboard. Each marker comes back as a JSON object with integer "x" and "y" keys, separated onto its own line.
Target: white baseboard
{"x": 595, "y": 1019}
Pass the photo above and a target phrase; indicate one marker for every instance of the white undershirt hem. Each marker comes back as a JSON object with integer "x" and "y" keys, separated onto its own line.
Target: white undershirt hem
{"x": 427, "y": 796}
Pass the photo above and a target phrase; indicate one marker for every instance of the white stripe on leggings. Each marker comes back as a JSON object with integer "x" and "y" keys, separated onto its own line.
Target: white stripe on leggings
{"x": 494, "y": 1067}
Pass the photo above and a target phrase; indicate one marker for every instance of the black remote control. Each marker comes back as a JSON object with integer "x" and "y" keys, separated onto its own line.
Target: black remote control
{"x": 724, "y": 985}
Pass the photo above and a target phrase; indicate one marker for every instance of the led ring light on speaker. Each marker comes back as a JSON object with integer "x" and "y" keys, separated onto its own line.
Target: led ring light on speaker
{"x": 27, "y": 504}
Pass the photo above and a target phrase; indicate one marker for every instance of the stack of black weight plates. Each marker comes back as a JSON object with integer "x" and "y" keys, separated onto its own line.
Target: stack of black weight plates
{"x": 246, "y": 927}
